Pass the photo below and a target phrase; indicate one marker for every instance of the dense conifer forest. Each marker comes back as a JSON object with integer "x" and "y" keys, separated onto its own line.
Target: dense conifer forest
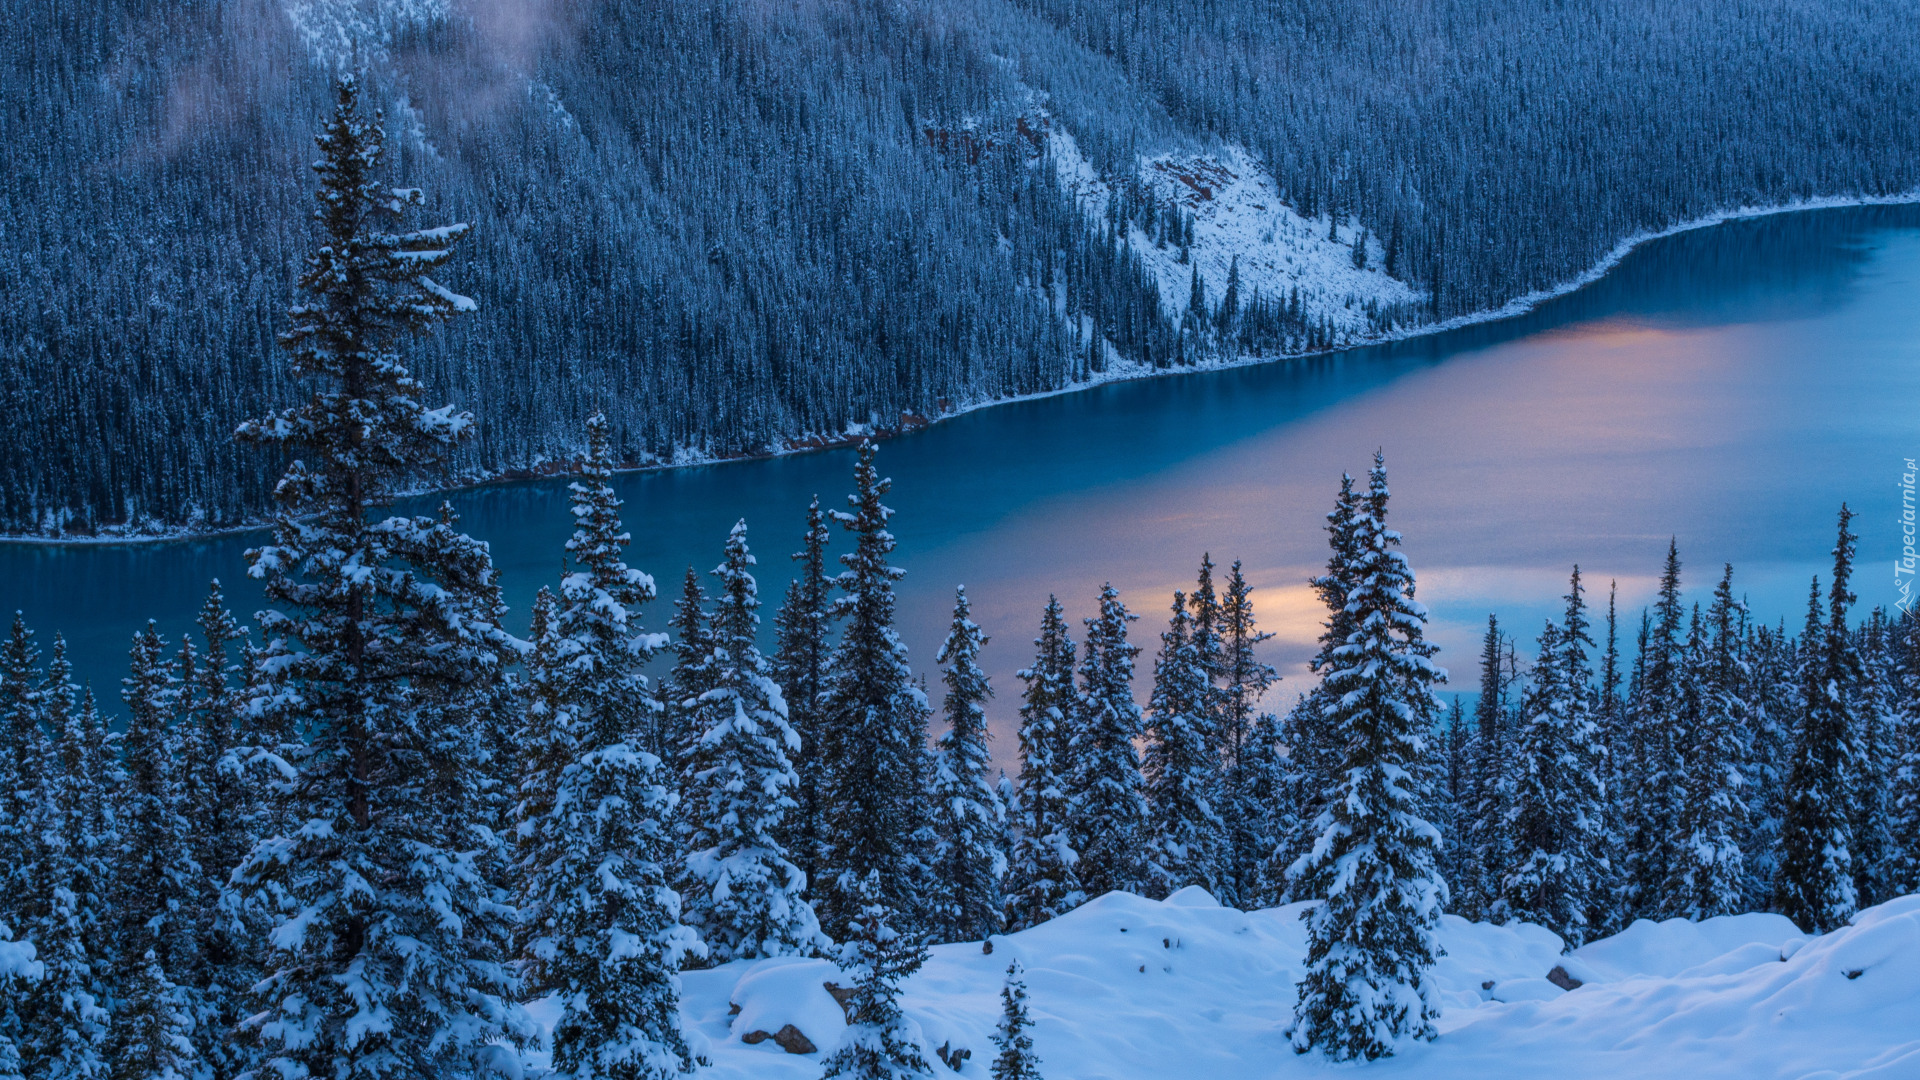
{"x": 361, "y": 837}
{"x": 734, "y": 227}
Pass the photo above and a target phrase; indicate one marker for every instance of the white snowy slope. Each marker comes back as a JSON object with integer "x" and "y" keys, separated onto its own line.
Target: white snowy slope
{"x": 1133, "y": 989}
{"x": 1237, "y": 213}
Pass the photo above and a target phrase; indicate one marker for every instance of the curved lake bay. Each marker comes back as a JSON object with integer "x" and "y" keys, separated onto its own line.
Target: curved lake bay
{"x": 1728, "y": 387}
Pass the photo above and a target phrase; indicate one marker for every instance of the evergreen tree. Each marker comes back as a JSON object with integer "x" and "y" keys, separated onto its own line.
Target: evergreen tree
{"x": 1815, "y": 887}
{"x": 156, "y": 880}
{"x": 1250, "y": 835}
{"x": 692, "y": 675}
{"x": 742, "y": 893}
{"x": 1873, "y": 711}
{"x": 1041, "y": 882}
{"x": 874, "y": 821}
{"x": 880, "y": 1043}
{"x": 23, "y": 757}
{"x": 969, "y": 861}
{"x": 1554, "y": 825}
{"x": 221, "y": 809}
{"x": 1710, "y": 874}
{"x": 1490, "y": 792}
{"x": 1178, "y": 767}
{"x": 600, "y": 921}
{"x": 1016, "y": 1060}
{"x": 1313, "y": 749}
{"x": 1774, "y": 709}
{"x": 1605, "y": 914}
{"x": 1107, "y": 815}
{"x": 1657, "y": 776}
{"x": 1371, "y": 945}
{"x": 800, "y": 666}
{"x": 1903, "y": 790}
{"x": 392, "y": 926}
{"x": 17, "y": 966}
{"x": 64, "y": 1021}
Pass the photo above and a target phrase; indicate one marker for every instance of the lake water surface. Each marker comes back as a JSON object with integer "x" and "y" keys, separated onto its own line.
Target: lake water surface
{"x": 1728, "y": 387}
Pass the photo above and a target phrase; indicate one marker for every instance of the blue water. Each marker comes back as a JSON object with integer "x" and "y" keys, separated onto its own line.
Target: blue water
{"x": 1728, "y": 387}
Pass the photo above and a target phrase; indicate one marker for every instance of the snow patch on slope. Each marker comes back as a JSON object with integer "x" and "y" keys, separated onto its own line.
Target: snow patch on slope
{"x": 1238, "y": 213}
{"x": 340, "y": 32}
{"x": 1126, "y": 988}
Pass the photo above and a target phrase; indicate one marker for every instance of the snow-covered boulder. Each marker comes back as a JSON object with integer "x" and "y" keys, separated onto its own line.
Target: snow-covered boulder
{"x": 784, "y": 1003}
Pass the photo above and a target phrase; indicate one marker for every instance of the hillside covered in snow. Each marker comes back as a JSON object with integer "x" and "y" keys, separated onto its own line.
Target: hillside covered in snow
{"x": 1125, "y": 988}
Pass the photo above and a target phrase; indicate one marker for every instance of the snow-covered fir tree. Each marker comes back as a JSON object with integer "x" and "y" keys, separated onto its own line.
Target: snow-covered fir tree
{"x": 969, "y": 818}
{"x": 1873, "y": 752}
{"x": 800, "y": 666}
{"x": 1371, "y": 945}
{"x": 1041, "y": 882}
{"x": 1106, "y": 813}
{"x": 221, "y": 807}
{"x": 880, "y": 1042}
{"x": 1773, "y": 713}
{"x": 1710, "y": 874}
{"x": 1016, "y": 1059}
{"x": 1605, "y": 910}
{"x": 1554, "y": 821}
{"x": 742, "y": 893}
{"x": 23, "y": 759}
{"x": 64, "y": 1021}
{"x": 157, "y": 884}
{"x": 1313, "y": 753}
{"x": 1903, "y": 788}
{"x": 875, "y": 829}
{"x": 1490, "y": 792}
{"x": 1250, "y": 834}
{"x": 391, "y": 937}
{"x": 19, "y": 968}
{"x": 1815, "y": 887}
{"x": 1179, "y": 768}
{"x": 692, "y": 675}
{"x": 601, "y": 922}
{"x": 1655, "y": 772}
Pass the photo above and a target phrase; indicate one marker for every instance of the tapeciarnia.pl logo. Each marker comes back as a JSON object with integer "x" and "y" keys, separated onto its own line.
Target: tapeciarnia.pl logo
{"x": 1903, "y": 567}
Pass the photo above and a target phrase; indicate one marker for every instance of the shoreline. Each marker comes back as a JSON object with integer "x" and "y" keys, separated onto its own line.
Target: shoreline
{"x": 910, "y": 423}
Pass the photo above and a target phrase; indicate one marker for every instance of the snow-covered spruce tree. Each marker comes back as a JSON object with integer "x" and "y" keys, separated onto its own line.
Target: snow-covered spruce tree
{"x": 600, "y": 922}
{"x": 880, "y": 1042}
{"x": 1313, "y": 752}
{"x": 875, "y": 829}
{"x": 391, "y": 938}
{"x": 1106, "y": 815}
{"x": 800, "y": 667}
{"x": 692, "y": 675}
{"x": 1040, "y": 863}
{"x": 1490, "y": 792}
{"x": 969, "y": 818}
{"x": 1873, "y": 710}
{"x": 1655, "y": 774}
{"x": 1903, "y": 790}
{"x": 743, "y": 894}
{"x": 221, "y": 809}
{"x": 1250, "y": 833}
{"x": 1773, "y": 717}
{"x": 1371, "y": 945}
{"x": 1553, "y": 825}
{"x": 157, "y": 884}
{"x": 1710, "y": 874}
{"x": 64, "y": 1019}
{"x": 1016, "y": 1060}
{"x": 23, "y": 756}
{"x": 1605, "y": 908}
{"x": 1180, "y": 772}
{"x": 1815, "y": 887}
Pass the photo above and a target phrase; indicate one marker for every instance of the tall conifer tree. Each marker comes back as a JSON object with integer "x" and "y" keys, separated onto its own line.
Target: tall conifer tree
{"x": 1041, "y": 882}
{"x": 800, "y": 665}
{"x": 1107, "y": 814}
{"x": 1816, "y": 888}
{"x": 1180, "y": 771}
{"x": 1371, "y": 945}
{"x": 970, "y": 861}
{"x": 391, "y": 940}
{"x": 743, "y": 894}
{"x": 875, "y": 828}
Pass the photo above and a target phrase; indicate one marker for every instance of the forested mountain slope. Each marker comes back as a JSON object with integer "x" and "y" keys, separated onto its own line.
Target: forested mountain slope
{"x": 737, "y": 224}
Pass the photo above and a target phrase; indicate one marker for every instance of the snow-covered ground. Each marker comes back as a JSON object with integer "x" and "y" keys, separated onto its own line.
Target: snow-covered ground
{"x": 1238, "y": 213}
{"x": 1131, "y": 989}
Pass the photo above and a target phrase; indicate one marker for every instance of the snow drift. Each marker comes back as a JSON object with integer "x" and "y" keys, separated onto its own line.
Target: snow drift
{"x": 1131, "y": 989}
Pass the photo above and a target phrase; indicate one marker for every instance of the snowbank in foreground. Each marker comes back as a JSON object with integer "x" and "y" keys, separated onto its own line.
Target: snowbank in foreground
{"x": 1133, "y": 989}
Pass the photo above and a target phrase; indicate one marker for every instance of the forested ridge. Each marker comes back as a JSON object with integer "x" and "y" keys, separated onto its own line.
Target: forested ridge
{"x": 732, "y": 225}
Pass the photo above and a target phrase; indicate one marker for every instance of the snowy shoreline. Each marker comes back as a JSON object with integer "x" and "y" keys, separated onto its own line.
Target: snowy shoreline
{"x": 1119, "y": 372}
